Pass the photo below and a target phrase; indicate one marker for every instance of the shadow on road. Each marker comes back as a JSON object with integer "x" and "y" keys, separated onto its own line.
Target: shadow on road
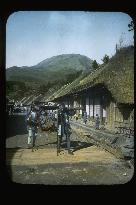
{"x": 77, "y": 145}
{"x": 16, "y": 125}
{"x": 46, "y": 144}
{"x": 10, "y": 155}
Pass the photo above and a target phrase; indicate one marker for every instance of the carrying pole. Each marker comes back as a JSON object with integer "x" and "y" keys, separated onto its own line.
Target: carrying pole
{"x": 58, "y": 132}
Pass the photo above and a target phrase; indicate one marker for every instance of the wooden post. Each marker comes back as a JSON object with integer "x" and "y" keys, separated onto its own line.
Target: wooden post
{"x": 87, "y": 105}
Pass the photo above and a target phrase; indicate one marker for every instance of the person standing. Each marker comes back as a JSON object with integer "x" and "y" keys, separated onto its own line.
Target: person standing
{"x": 68, "y": 132}
{"x": 97, "y": 122}
{"x": 43, "y": 119}
{"x": 64, "y": 127}
{"x": 55, "y": 119}
{"x": 76, "y": 116}
{"x": 32, "y": 122}
{"x": 85, "y": 117}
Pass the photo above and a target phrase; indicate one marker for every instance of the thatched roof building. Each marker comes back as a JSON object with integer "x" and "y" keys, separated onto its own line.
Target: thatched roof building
{"x": 117, "y": 76}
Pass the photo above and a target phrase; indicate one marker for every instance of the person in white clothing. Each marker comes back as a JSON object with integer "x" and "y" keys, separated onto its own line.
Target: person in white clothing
{"x": 32, "y": 122}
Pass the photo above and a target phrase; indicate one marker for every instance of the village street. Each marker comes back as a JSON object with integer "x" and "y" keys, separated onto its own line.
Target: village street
{"x": 70, "y": 86}
{"x": 89, "y": 165}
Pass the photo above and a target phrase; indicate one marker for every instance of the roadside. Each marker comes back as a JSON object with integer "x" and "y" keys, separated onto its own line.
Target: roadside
{"x": 122, "y": 146}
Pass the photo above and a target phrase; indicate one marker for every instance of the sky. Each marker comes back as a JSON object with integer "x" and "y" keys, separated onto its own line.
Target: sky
{"x": 33, "y": 36}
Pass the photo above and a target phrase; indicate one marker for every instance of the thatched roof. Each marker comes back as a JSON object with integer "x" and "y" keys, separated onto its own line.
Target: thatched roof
{"x": 117, "y": 76}
{"x": 64, "y": 90}
{"x": 56, "y": 94}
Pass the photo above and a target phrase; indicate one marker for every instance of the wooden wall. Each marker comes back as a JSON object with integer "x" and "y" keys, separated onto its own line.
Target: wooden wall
{"x": 99, "y": 101}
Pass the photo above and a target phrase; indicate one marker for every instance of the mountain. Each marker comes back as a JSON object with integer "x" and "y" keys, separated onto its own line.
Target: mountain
{"x": 47, "y": 76}
{"x": 74, "y": 61}
{"x": 51, "y": 69}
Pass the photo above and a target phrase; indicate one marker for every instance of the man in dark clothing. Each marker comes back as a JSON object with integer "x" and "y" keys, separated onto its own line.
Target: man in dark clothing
{"x": 42, "y": 119}
{"x": 63, "y": 122}
{"x": 85, "y": 117}
{"x": 97, "y": 122}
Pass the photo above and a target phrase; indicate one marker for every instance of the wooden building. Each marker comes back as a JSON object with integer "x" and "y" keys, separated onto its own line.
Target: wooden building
{"x": 108, "y": 92}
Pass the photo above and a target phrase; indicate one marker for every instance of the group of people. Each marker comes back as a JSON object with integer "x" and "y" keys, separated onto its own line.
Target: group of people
{"x": 84, "y": 117}
{"x": 37, "y": 117}
{"x": 64, "y": 128}
{"x": 97, "y": 120}
{"x": 41, "y": 118}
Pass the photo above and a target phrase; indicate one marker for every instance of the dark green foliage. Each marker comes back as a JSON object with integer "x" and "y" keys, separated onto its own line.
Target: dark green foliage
{"x": 95, "y": 65}
{"x": 50, "y": 74}
{"x": 42, "y": 89}
{"x": 106, "y": 59}
{"x": 131, "y": 26}
{"x": 15, "y": 89}
{"x": 15, "y": 85}
{"x": 50, "y": 70}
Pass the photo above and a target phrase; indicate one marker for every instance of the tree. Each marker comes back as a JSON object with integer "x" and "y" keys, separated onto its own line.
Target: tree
{"x": 42, "y": 89}
{"x": 122, "y": 40}
{"x": 131, "y": 26}
{"x": 95, "y": 65}
{"x": 105, "y": 59}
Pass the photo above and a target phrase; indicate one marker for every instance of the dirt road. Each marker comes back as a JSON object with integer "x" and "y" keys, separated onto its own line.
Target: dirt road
{"x": 89, "y": 164}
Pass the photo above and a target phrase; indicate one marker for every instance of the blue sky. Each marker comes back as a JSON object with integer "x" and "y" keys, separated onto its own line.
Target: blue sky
{"x": 32, "y": 36}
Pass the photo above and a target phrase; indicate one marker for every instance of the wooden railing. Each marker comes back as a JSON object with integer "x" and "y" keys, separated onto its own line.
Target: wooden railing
{"x": 124, "y": 128}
